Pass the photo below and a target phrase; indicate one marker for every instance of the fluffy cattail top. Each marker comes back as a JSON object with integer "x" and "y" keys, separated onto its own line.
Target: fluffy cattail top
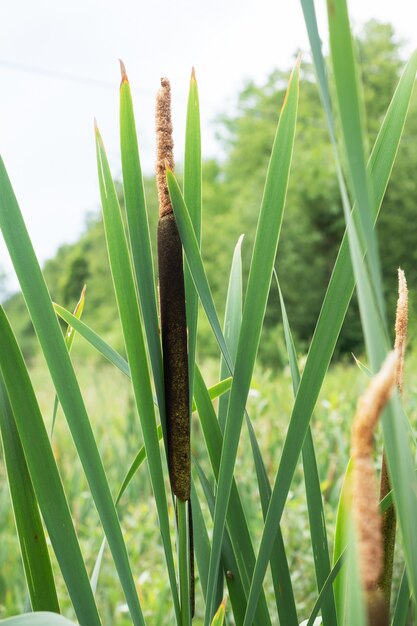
{"x": 366, "y": 508}
{"x": 164, "y": 145}
{"x": 401, "y": 321}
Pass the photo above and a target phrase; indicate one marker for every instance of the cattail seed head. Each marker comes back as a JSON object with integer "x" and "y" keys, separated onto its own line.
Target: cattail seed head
{"x": 401, "y": 321}
{"x": 365, "y": 491}
{"x": 164, "y": 145}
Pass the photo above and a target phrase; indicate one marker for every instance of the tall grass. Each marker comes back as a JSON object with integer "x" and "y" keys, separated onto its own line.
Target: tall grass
{"x": 214, "y": 526}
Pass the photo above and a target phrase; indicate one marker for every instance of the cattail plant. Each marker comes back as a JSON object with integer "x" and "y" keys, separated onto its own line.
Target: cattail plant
{"x": 365, "y": 499}
{"x": 225, "y": 547}
{"x": 174, "y": 343}
{"x": 172, "y": 308}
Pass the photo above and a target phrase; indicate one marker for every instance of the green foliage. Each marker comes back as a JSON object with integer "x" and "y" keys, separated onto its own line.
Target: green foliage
{"x": 237, "y": 536}
{"x": 313, "y": 223}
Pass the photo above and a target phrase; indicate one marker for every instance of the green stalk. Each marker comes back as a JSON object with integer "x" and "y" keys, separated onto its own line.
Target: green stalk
{"x": 184, "y": 561}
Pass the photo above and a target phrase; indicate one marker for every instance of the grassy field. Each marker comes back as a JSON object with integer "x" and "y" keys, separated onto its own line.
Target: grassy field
{"x": 116, "y": 427}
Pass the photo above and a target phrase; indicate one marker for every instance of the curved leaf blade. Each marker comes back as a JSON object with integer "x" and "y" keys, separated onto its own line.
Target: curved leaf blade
{"x": 336, "y": 301}
{"x": 139, "y": 237}
{"x": 263, "y": 258}
{"x": 33, "y": 548}
{"x": 44, "y": 473}
{"x": 56, "y": 355}
{"x": 128, "y": 306}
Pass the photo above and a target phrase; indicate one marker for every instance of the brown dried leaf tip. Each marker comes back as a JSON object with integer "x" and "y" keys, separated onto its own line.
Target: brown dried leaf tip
{"x": 164, "y": 145}
{"x": 401, "y": 322}
{"x": 365, "y": 490}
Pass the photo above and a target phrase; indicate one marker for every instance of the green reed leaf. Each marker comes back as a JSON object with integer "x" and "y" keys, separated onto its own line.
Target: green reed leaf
{"x": 44, "y": 474}
{"x": 338, "y": 295}
{"x": 263, "y": 258}
{"x": 33, "y": 547}
{"x": 53, "y": 346}
{"x": 128, "y": 306}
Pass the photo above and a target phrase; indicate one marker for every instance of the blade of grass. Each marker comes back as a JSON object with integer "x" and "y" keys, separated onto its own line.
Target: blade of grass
{"x": 354, "y": 608}
{"x": 192, "y": 198}
{"x": 236, "y": 521}
{"x": 139, "y": 237}
{"x": 37, "y": 619}
{"x": 218, "y": 619}
{"x": 133, "y": 337}
{"x": 349, "y": 105}
{"x": 279, "y": 565}
{"x": 326, "y": 589}
{"x": 215, "y": 391}
{"x": 69, "y": 340}
{"x": 44, "y": 474}
{"x": 194, "y": 261}
{"x": 33, "y": 548}
{"x": 283, "y": 590}
{"x": 263, "y": 258}
{"x": 95, "y": 340}
{"x": 312, "y": 482}
{"x": 53, "y": 346}
{"x": 232, "y": 322}
{"x": 399, "y": 457}
{"x": 341, "y": 539}
{"x": 403, "y": 602}
{"x": 228, "y": 561}
{"x": 201, "y": 540}
{"x": 338, "y": 295}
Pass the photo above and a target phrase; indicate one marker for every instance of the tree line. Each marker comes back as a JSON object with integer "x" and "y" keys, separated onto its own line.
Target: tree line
{"x": 232, "y": 191}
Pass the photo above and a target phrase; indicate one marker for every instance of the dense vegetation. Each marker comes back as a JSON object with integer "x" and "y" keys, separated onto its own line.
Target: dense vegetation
{"x": 313, "y": 222}
{"x": 256, "y": 476}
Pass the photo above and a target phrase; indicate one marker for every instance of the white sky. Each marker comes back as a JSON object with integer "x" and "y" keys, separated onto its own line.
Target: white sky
{"x": 46, "y": 122}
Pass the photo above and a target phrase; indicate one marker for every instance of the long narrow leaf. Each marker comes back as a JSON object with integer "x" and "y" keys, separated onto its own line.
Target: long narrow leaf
{"x": 338, "y": 295}
{"x": 228, "y": 560}
{"x": 195, "y": 263}
{"x": 263, "y": 258}
{"x": 349, "y": 105}
{"x": 44, "y": 473}
{"x": 69, "y": 340}
{"x": 312, "y": 482}
{"x": 138, "y": 229}
{"x": 95, "y": 340}
{"x": 236, "y": 522}
{"x": 370, "y": 296}
{"x": 232, "y": 322}
{"x": 33, "y": 548}
{"x": 215, "y": 391}
{"x": 403, "y": 602}
{"x": 134, "y": 342}
{"x": 279, "y": 565}
{"x": 53, "y": 346}
{"x": 37, "y": 619}
{"x": 192, "y": 197}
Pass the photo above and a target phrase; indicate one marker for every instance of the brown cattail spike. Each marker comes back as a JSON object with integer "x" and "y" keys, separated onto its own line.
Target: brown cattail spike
{"x": 365, "y": 493}
{"x": 401, "y": 322}
{"x": 172, "y": 307}
{"x": 368, "y": 519}
{"x": 164, "y": 145}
